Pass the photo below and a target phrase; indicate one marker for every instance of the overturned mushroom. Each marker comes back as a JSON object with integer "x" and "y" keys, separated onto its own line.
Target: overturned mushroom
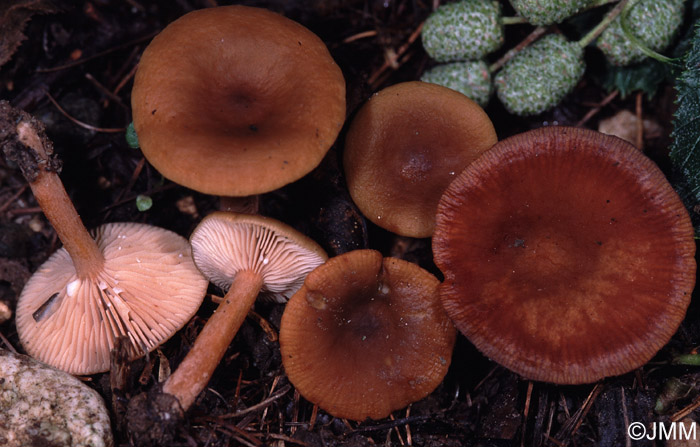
{"x": 250, "y": 256}
{"x": 132, "y": 279}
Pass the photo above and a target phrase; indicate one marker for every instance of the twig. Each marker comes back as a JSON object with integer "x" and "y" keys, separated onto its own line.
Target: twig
{"x": 259, "y": 406}
{"x": 640, "y": 122}
{"x": 526, "y": 411}
{"x": 7, "y": 343}
{"x": 402, "y": 49}
{"x": 14, "y": 197}
{"x": 97, "y": 55}
{"x": 80, "y": 123}
{"x": 591, "y": 113}
{"x": 358, "y": 36}
{"x": 533, "y": 36}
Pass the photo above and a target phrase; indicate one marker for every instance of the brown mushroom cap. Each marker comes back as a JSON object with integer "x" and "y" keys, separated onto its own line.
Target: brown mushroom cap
{"x": 252, "y": 99}
{"x": 567, "y": 255}
{"x": 365, "y": 336}
{"x": 405, "y": 146}
{"x": 147, "y": 289}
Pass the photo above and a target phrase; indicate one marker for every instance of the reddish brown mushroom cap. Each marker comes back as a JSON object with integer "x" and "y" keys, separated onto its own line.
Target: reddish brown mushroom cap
{"x": 365, "y": 336}
{"x": 147, "y": 289}
{"x": 567, "y": 255}
{"x": 405, "y": 146}
{"x": 252, "y": 99}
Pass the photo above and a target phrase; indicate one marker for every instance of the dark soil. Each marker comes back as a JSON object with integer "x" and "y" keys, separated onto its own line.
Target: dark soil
{"x": 76, "y": 66}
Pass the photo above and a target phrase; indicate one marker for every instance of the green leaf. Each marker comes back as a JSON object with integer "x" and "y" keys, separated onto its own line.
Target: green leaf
{"x": 131, "y": 138}
{"x": 685, "y": 149}
{"x": 143, "y": 202}
{"x": 645, "y": 76}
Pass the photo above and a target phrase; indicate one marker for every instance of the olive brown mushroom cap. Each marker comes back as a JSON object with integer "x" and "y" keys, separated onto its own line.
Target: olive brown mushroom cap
{"x": 366, "y": 335}
{"x": 252, "y": 98}
{"x": 405, "y": 146}
{"x": 567, "y": 255}
{"x": 225, "y": 244}
{"x": 147, "y": 289}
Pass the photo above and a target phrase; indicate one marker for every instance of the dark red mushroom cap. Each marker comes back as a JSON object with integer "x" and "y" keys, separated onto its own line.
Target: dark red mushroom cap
{"x": 567, "y": 255}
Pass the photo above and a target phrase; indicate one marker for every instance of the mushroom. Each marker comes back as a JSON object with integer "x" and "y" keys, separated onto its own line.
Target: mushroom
{"x": 236, "y": 101}
{"x": 250, "y": 256}
{"x": 132, "y": 279}
{"x": 403, "y": 148}
{"x": 366, "y": 335}
{"x": 567, "y": 255}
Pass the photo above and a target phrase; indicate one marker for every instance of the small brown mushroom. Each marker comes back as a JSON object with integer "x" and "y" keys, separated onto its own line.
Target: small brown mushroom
{"x": 236, "y": 101}
{"x": 567, "y": 255}
{"x": 132, "y": 279}
{"x": 366, "y": 335}
{"x": 405, "y": 146}
{"x": 250, "y": 256}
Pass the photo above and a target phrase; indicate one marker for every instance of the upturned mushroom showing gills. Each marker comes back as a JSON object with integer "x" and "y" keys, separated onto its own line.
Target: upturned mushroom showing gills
{"x": 250, "y": 98}
{"x": 131, "y": 280}
{"x": 567, "y": 255}
{"x": 366, "y": 335}
{"x": 405, "y": 146}
{"x": 249, "y": 256}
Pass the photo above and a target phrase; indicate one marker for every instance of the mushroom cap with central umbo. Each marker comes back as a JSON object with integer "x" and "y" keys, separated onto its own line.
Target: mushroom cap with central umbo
{"x": 366, "y": 335}
{"x": 252, "y": 99}
{"x": 567, "y": 255}
{"x": 147, "y": 289}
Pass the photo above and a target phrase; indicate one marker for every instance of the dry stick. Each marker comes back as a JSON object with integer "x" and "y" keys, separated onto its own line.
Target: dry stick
{"x": 640, "y": 122}
{"x": 97, "y": 55}
{"x": 402, "y": 49}
{"x": 694, "y": 405}
{"x": 358, "y": 36}
{"x": 526, "y": 411}
{"x": 193, "y": 374}
{"x": 80, "y": 123}
{"x": 12, "y": 199}
{"x": 625, "y": 417}
{"x": 533, "y": 36}
{"x": 591, "y": 113}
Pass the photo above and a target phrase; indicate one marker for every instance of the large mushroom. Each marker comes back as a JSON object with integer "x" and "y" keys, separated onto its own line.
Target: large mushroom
{"x": 405, "y": 146}
{"x": 249, "y": 256}
{"x": 236, "y": 101}
{"x": 366, "y": 335}
{"x": 131, "y": 280}
{"x": 567, "y": 255}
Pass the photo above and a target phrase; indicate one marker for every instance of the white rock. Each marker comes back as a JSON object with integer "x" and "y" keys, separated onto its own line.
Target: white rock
{"x": 44, "y": 406}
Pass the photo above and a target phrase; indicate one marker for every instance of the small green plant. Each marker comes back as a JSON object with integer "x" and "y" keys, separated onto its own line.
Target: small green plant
{"x": 625, "y": 42}
{"x": 131, "y": 138}
{"x": 468, "y": 29}
{"x": 546, "y": 12}
{"x": 540, "y": 75}
{"x": 143, "y": 202}
{"x": 471, "y": 78}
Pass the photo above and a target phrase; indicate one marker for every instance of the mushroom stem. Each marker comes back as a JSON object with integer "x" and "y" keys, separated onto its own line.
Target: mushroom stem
{"x": 193, "y": 374}
{"x": 53, "y": 199}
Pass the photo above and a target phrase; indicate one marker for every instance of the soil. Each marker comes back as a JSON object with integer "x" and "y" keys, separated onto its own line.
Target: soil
{"x": 74, "y": 72}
